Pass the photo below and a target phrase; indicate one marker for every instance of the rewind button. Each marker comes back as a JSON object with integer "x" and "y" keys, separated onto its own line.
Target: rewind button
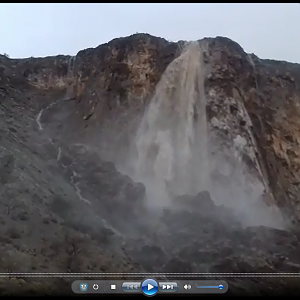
{"x": 168, "y": 287}
{"x": 131, "y": 286}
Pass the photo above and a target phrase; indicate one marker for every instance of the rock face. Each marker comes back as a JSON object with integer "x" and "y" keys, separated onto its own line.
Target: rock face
{"x": 66, "y": 132}
{"x": 252, "y": 103}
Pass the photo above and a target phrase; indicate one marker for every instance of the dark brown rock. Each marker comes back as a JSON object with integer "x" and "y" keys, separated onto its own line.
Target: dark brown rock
{"x": 69, "y": 121}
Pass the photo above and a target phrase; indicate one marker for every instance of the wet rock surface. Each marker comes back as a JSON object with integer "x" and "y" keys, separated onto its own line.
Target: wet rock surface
{"x": 197, "y": 238}
{"x": 66, "y": 207}
{"x": 212, "y": 239}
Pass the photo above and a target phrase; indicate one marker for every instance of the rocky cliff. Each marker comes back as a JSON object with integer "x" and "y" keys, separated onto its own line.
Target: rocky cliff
{"x": 64, "y": 120}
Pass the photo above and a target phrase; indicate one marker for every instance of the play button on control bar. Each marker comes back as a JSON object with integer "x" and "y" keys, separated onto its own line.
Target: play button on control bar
{"x": 149, "y": 287}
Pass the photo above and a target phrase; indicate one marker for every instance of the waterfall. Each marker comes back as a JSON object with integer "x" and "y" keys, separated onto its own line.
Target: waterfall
{"x": 171, "y": 141}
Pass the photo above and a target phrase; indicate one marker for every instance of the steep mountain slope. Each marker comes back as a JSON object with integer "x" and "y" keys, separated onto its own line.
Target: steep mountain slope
{"x": 66, "y": 122}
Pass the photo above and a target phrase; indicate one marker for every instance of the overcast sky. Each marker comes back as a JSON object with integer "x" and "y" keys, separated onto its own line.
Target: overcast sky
{"x": 268, "y": 30}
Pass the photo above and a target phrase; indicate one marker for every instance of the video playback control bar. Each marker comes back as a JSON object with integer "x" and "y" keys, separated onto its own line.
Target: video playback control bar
{"x": 150, "y": 287}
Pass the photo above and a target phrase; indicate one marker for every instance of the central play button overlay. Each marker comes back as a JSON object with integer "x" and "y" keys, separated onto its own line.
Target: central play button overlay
{"x": 149, "y": 287}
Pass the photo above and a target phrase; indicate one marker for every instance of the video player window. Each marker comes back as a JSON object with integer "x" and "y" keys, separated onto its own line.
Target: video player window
{"x": 149, "y": 149}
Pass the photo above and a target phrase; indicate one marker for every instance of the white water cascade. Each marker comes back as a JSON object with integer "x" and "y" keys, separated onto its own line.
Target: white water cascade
{"x": 172, "y": 139}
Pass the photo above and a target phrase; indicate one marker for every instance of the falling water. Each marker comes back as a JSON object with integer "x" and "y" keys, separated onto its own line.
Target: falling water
{"x": 70, "y": 77}
{"x": 172, "y": 140}
{"x": 173, "y": 153}
{"x": 71, "y": 65}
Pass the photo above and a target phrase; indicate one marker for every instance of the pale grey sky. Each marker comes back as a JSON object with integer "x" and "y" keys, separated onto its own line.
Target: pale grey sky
{"x": 268, "y": 30}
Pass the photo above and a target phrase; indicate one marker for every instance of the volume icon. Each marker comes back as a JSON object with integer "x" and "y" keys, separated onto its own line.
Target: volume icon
{"x": 187, "y": 286}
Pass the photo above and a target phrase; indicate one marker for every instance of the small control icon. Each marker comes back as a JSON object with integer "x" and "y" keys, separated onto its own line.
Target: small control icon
{"x": 167, "y": 286}
{"x": 131, "y": 286}
{"x": 187, "y": 286}
{"x": 83, "y": 287}
{"x": 95, "y": 287}
{"x": 149, "y": 287}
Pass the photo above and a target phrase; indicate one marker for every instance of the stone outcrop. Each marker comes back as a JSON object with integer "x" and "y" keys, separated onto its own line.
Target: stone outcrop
{"x": 252, "y": 103}
{"x": 66, "y": 127}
